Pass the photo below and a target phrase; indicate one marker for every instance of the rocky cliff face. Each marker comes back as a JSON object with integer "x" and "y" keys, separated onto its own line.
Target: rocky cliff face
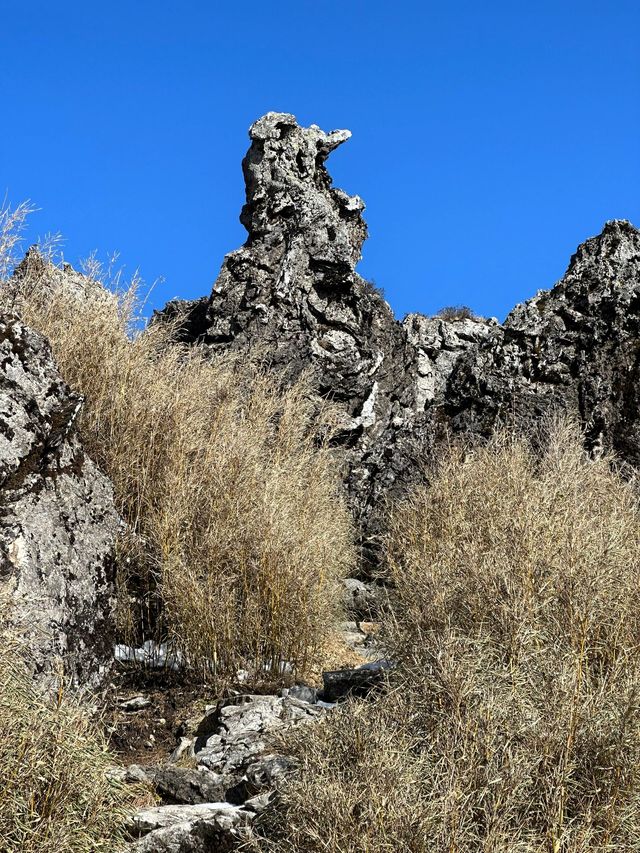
{"x": 575, "y": 348}
{"x": 292, "y": 291}
{"x": 57, "y": 518}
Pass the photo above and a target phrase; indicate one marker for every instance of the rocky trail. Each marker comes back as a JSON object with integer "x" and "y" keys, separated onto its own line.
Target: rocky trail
{"x": 213, "y": 767}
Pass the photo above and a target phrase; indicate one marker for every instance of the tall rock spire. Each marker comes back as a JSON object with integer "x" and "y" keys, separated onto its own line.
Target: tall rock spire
{"x": 293, "y": 291}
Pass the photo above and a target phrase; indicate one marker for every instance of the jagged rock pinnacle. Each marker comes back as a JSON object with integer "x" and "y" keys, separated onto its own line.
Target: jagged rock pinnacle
{"x": 293, "y": 290}
{"x": 289, "y": 194}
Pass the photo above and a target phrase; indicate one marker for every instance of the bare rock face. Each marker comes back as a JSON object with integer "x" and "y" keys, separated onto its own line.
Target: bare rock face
{"x": 58, "y": 521}
{"x": 440, "y": 344}
{"x": 292, "y": 293}
{"x": 201, "y": 828}
{"x": 574, "y": 348}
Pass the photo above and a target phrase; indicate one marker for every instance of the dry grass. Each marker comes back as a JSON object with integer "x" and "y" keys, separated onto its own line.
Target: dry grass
{"x": 360, "y": 785}
{"x": 55, "y": 793}
{"x": 237, "y": 530}
{"x": 12, "y": 223}
{"x": 456, "y": 312}
{"x": 515, "y": 725}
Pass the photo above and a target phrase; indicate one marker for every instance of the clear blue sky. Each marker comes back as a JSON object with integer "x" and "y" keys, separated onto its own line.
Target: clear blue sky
{"x": 489, "y": 139}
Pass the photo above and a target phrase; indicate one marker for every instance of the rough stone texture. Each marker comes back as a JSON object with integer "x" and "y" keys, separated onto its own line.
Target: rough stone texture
{"x": 439, "y": 345}
{"x": 236, "y": 770}
{"x": 187, "y": 785}
{"x": 57, "y": 518}
{"x": 361, "y": 681}
{"x": 574, "y": 348}
{"x": 362, "y": 600}
{"x": 202, "y": 828}
{"x": 235, "y": 735}
{"x": 292, "y": 294}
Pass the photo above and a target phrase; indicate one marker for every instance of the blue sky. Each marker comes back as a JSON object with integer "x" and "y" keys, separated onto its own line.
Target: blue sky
{"x": 489, "y": 139}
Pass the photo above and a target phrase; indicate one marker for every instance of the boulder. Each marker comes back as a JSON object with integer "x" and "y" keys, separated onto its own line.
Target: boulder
{"x": 362, "y": 600}
{"x": 186, "y": 785}
{"x": 199, "y": 828}
{"x": 58, "y": 520}
{"x": 340, "y": 683}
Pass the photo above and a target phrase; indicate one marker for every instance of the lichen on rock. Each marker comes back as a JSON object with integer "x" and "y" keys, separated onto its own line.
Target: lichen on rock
{"x": 58, "y": 522}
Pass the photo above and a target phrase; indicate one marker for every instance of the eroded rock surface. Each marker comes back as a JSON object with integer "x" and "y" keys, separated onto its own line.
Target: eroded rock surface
{"x": 223, "y": 775}
{"x": 233, "y": 740}
{"x": 202, "y": 828}
{"x": 574, "y": 348}
{"x": 58, "y": 523}
{"x": 440, "y": 344}
{"x": 292, "y": 293}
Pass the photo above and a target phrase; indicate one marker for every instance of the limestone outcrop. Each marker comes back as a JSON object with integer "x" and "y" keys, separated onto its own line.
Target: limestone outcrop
{"x": 58, "y": 523}
{"x": 292, "y": 293}
{"x": 575, "y": 347}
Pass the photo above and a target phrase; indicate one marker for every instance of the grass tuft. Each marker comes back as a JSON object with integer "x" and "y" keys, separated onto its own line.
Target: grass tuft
{"x": 55, "y": 788}
{"x": 237, "y": 530}
{"x": 456, "y": 312}
{"x": 515, "y": 721}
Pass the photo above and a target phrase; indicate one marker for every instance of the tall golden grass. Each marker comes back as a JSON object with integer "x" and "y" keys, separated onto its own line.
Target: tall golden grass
{"x": 514, "y": 724}
{"x": 55, "y": 788}
{"x": 237, "y": 531}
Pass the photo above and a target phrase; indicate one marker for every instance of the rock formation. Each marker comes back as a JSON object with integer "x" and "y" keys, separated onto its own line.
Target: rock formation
{"x": 58, "y": 522}
{"x": 292, "y": 295}
{"x": 575, "y": 348}
{"x": 292, "y": 291}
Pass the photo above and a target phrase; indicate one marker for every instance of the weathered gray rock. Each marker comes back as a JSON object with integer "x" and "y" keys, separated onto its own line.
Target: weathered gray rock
{"x": 291, "y": 294}
{"x": 58, "y": 523}
{"x": 362, "y": 600}
{"x": 302, "y": 693}
{"x": 203, "y": 828}
{"x": 440, "y": 344}
{"x": 340, "y": 683}
{"x": 187, "y": 785}
{"x": 574, "y": 348}
{"x": 236, "y": 770}
{"x": 236, "y": 734}
{"x": 131, "y": 704}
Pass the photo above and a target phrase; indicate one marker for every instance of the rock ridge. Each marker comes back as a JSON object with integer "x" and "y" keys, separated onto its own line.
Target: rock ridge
{"x": 292, "y": 291}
